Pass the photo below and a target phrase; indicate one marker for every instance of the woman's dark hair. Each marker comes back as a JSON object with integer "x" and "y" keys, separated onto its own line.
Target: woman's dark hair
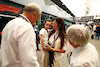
{"x": 61, "y": 26}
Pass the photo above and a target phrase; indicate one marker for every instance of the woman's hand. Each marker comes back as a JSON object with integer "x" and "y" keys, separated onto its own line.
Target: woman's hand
{"x": 49, "y": 48}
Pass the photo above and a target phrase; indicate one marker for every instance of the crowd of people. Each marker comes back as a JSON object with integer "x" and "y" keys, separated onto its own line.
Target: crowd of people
{"x": 94, "y": 30}
{"x": 18, "y": 44}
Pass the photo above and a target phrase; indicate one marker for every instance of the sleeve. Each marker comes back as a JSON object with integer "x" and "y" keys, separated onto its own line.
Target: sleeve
{"x": 27, "y": 48}
{"x": 42, "y": 31}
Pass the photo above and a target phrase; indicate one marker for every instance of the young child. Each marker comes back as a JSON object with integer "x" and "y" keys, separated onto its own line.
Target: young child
{"x": 44, "y": 41}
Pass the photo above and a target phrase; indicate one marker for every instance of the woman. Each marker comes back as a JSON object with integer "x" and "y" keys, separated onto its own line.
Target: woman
{"x": 84, "y": 54}
{"x": 57, "y": 41}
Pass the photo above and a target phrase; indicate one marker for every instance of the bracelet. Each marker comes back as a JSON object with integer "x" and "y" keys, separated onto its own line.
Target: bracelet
{"x": 54, "y": 50}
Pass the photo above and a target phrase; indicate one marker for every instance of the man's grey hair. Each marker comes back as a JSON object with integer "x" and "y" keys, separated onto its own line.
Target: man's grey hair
{"x": 32, "y": 7}
{"x": 78, "y": 34}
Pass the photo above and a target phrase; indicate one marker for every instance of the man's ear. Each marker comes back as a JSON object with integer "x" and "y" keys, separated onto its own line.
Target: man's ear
{"x": 34, "y": 13}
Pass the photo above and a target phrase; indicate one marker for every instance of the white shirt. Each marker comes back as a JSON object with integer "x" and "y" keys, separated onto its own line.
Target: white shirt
{"x": 94, "y": 27}
{"x": 44, "y": 32}
{"x": 86, "y": 56}
{"x": 57, "y": 56}
{"x": 19, "y": 44}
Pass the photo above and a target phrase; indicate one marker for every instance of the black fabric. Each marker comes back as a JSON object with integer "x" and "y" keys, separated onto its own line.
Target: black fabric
{"x": 98, "y": 29}
{"x": 92, "y": 37}
{"x": 38, "y": 40}
{"x": 51, "y": 53}
{"x": 95, "y": 31}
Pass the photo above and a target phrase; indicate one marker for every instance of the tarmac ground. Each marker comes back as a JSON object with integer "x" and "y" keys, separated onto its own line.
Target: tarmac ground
{"x": 64, "y": 62}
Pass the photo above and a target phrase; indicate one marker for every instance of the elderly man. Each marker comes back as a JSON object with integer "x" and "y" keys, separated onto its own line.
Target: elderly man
{"x": 19, "y": 40}
{"x": 84, "y": 54}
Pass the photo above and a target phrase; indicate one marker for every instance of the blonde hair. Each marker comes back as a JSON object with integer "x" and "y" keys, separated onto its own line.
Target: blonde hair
{"x": 32, "y": 7}
{"x": 78, "y": 34}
